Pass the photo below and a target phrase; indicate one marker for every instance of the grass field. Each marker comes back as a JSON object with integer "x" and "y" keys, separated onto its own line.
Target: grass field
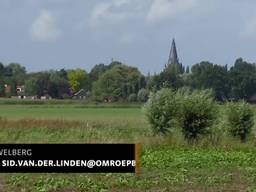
{"x": 168, "y": 164}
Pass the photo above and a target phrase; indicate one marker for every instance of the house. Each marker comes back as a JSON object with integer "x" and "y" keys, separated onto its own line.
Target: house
{"x": 45, "y": 97}
{"x": 81, "y": 94}
{"x": 20, "y": 89}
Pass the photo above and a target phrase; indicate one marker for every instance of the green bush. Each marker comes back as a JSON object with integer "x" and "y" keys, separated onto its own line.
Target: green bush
{"x": 161, "y": 110}
{"x": 198, "y": 112}
{"x": 132, "y": 97}
{"x": 143, "y": 95}
{"x": 240, "y": 119}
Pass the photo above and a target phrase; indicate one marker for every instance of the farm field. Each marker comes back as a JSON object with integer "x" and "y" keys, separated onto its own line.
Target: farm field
{"x": 168, "y": 164}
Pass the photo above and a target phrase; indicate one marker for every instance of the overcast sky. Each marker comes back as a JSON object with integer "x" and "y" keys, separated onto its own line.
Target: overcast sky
{"x": 55, "y": 34}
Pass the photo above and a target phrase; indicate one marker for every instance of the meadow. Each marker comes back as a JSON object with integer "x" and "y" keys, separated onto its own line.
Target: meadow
{"x": 168, "y": 163}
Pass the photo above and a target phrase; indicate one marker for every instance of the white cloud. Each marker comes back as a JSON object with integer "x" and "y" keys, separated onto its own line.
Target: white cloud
{"x": 106, "y": 13}
{"x": 45, "y": 27}
{"x": 165, "y": 9}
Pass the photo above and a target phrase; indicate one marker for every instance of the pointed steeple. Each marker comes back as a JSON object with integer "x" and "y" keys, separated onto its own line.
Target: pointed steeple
{"x": 173, "y": 56}
{"x": 173, "y": 61}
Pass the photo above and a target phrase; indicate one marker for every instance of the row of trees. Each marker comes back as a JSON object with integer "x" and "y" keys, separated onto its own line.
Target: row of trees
{"x": 238, "y": 82}
{"x": 112, "y": 82}
{"x": 119, "y": 82}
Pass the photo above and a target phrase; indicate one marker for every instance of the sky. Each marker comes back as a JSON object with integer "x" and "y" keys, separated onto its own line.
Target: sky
{"x": 56, "y": 34}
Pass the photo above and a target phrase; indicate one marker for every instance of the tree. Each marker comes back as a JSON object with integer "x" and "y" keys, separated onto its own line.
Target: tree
{"x": 59, "y": 86}
{"x": 162, "y": 110}
{"x": 206, "y": 75}
{"x": 38, "y": 84}
{"x": 78, "y": 79}
{"x": 187, "y": 69}
{"x": 31, "y": 86}
{"x": 97, "y": 71}
{"x": 18, "y": 72}
{"x": 240, "y": 118}
{"x": 1, "y": 69}
{"x": 171, "y": 79}
{"x": 2, "y": 88}
{"x": 117, "y": 83}
{"x": 198, "y": 113}
{"x": 243, "y": 79}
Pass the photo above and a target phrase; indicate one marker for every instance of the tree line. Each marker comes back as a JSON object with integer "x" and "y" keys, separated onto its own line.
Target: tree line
{"x": 120, "y": 82}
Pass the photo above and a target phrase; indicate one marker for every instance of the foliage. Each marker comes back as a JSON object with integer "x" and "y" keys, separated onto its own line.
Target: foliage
{"x": 2, "y": 88}
{"x": 171, "y": 79}
{"x": 18, "y": 71}
{"x": 99, "y": 69}
{"x": 132, "y": 97}
{"x": 243, "y": 79}
{"x": 206, "y": 75}
{"x": 161, "y": 110}
{"x": 117, "y": 83}
{"x": 194, "y": 111}
{"x": 31, "y": 86}
{"x": 143, "y": 95}
{"x": 78, "y": 79}
{"x": 59, "y": 86}
{"x": 240, "y": 119}
{"x": 198, "y": 112}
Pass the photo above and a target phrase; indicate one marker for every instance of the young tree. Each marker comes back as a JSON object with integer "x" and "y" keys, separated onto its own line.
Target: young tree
{"x": 78, "y": 79}
{"x": 198, "y": 112}
{"x": 117, "y": 83}
{"x": 162, "y": 110}
{"x": 240, "y": 119}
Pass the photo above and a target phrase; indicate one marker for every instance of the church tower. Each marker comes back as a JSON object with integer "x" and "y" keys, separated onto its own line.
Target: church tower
{"x": 173, "y": 61}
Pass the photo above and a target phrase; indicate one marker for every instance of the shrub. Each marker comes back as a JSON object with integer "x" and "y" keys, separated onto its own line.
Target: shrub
{"x": 132, "y": 97}
{"x": 143, "y": 95}
{"x": 198, "y": 112}
{"x": 161, "y": 110}
{"x": 240, "y": 119}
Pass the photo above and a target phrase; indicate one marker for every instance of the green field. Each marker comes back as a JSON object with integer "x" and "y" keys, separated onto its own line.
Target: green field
{"x": 168, "y": 163}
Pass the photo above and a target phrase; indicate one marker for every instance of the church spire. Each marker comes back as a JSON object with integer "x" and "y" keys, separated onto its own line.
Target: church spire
{"x": 173, "y": 60}
{"x": 173, "y": 56}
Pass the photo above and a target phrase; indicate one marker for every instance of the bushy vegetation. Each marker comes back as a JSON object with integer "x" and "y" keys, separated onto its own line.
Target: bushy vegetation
{"x": 143, "y": 95}
{"x": 198, "y": 113}
{"x": 240, "y": 119}
{"x": 117, "y": 81}
{"x": 161, "y": 110}
{"x": 132, "y": 97}
{"x": 193, "y": 111}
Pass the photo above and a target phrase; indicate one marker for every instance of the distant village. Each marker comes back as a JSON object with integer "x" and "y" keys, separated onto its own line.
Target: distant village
{"x": 120, "y": 82}
{"x": 21, "y": 94}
